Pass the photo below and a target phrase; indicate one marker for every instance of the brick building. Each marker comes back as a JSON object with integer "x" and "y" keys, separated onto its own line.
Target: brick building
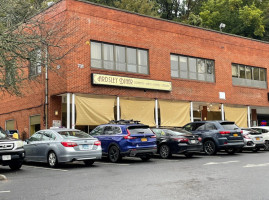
{"x": 137, "y": 67}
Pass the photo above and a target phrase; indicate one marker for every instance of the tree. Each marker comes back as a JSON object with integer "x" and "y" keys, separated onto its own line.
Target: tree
{"x": 241, "y": 18}
{"x": 25, "y": 41}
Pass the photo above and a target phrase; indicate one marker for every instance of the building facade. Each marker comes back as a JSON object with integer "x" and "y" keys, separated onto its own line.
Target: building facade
{"x": 130, "y": 66}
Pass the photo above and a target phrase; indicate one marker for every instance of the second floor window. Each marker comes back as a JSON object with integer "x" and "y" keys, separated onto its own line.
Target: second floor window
{"x": 249, "y": 76}
{"x": 192, "y": 68}
{"x": 35, "y": 62}
{"x": 119, "y": 58}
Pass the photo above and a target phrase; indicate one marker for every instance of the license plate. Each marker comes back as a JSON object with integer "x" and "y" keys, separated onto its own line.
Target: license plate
{"x": 257, "y": 138}
{"x": 235, "y": 135}
{"x": 193, "y": 141}
{"x": 144, "y": 139}
{"x": 6, "y": 157}
{"x": 85, "y": 146}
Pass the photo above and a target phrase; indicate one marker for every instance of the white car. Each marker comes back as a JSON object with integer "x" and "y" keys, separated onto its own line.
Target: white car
{"x": 253, "y": 140}
{"x": 264, "y": 130}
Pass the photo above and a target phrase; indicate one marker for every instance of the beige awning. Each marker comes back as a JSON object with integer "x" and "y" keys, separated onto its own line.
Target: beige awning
{"x": 34, "y": 119}
{"x": 94, "y": 110}
{"x": 174, "y": 113}
{"x": 136, "y": 109}
{"x": 237, "y": 115}
{"x": 10, "y": 125}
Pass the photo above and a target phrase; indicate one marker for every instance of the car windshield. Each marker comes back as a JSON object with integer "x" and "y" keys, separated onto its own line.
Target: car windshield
{"x": 229, "y": 126}
{"x": 2, "y": 134}
{"x": 74, "y": 134}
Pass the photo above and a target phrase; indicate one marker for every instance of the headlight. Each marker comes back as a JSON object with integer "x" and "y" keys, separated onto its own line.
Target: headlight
{"x": 19, "y": 144}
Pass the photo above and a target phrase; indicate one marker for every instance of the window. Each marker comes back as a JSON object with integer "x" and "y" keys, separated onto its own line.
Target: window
{"x": 48, "y": 136}
{"x": 108, "y": 130}
{"x": 97, "y": 131}
{"x": 36, "y": 137}
{"x": 117, "y": 130}
{"x": 249, "y": 76}
{"x": 210, "y": 126}
{"x": 35, "y": 62}
{"x": 192, "y": 68}
{"x": 119, "y": 58}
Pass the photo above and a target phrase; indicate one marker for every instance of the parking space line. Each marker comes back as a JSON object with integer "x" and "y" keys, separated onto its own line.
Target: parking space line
{"x": 256, "y": 165}
{"x": 219, "y": 163}
{"x": 63, "y": 170}
{"x": 112, "y": 164}
{"x": 4, "y": 191}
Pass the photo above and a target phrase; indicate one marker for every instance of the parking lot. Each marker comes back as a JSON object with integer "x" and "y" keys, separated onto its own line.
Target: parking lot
{"x": 239, "y": 176}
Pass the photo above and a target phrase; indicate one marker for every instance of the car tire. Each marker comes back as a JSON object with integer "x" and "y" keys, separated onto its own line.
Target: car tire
{"x": 145, "y": 158}
{"x": 88, "y": 162}
{"x": 256, "y": 149}
{"x": 52, "y": 159}
{"x": 114, "y": 154}
{"x": 210, "y": 147}
{"x": 188, "y": 155}
{"x": 15, "y": 164}
{"x": 165, "y": 151}
{"x": 266, "y": 145}
{"x": 230, "y": 151}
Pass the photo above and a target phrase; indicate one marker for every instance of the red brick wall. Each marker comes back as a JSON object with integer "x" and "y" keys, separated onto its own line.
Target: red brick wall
{"x": 91, "y": 22}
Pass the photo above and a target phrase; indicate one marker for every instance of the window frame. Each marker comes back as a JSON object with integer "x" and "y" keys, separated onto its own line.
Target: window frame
{"x": 116, "y": 63}
{"x": 198, "y": 75}
{"x": 35, "y": 62}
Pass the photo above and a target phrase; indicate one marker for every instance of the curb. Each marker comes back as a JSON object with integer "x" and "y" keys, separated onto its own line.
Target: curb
{"x": 3, "y": 177}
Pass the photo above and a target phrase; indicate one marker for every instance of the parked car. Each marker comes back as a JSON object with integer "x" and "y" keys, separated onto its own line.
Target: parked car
{"x": 217, "y": 135}
{"x": 253, "y": 140}
{"x": 126, "y": 138}
{"x": 11, "y": 151}
{"x": 61, "y": 145}
{"x": 264, "y": 130}
{"x": 177, "y": 141}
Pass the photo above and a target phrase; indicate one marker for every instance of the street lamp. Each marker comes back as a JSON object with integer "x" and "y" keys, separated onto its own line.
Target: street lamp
{"x": 221, "y": 26}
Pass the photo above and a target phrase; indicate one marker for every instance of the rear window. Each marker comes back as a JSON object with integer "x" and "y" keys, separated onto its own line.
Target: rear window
{"x": 229, "y": 126}
{"x": 139, "y": 130}
{"x": 74, "y": 134}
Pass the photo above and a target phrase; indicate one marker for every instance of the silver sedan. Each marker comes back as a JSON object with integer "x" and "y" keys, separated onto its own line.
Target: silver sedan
{"x": 62, "y": 145}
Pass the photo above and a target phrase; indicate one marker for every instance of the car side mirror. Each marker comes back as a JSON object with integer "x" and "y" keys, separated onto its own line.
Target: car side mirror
{"x": 27, "y": 141}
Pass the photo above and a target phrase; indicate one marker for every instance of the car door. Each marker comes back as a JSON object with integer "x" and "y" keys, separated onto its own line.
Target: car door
{"x": 32, "y": 146}
{"x": 43, "y": 146}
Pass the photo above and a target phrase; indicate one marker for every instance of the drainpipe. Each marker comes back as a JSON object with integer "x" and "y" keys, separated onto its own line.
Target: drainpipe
{"x": 46, "y": 89}
{"x": 118, "y": 108}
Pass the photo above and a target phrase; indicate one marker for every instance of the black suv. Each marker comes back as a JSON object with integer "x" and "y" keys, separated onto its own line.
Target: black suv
{"x": 217, "y": 135}
{"x": 11, "y": 151}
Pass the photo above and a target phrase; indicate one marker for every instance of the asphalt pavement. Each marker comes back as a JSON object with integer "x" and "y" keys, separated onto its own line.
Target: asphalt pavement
{"x": 240, "y": 176}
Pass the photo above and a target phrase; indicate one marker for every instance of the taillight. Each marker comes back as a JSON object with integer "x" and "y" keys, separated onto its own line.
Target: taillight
{"x": 154, "y": 136}
{"x": 241, "y": 132}
{"x": 128, "y": 136}
{"x": 182, "y": 140}
{"x": 199, "y": 139}
{"x": 69, "y": 144}
{"x": 224, "y": 132}
{"x": 246, "y": 136}
{"x": 97, "y": 143}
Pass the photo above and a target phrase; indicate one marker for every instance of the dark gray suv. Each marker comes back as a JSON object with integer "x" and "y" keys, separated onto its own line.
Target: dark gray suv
{"x": 217, "y": 135}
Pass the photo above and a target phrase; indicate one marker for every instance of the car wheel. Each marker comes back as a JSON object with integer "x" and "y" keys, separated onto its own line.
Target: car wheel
{"x": 188, "y": 155}
{"x": 52, "y": 159}
{"x": 266, "y": 145}
{"x": 210, "y": 147}
{"x": 114, "y": 154}
{"x": 15, "y": 164}
{"x": 88, "y": 162}
{"x": 230, "y": 151}
{"x": 165, "y": 151}
{"x": 145, "y": 158}
{"x": 256, "y": 149}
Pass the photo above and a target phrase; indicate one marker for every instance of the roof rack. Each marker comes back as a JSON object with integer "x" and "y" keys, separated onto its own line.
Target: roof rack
{"x": 122, "y": 121}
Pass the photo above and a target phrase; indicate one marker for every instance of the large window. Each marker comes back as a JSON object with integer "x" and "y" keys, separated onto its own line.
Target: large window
{"x": 119, "y": 58}
{"x": 35, "y": 62}
{"x": 192, "y": 68}
{"x": 249, "y": 76}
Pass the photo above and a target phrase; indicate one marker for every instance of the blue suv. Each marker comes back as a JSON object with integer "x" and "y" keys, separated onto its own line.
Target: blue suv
{"x": 126, "y": 138}
{"x": 217, "y": 135}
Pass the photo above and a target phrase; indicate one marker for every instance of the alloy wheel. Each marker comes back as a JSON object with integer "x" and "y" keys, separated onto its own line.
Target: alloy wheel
{"x": 266, "y": 145}
{"x": 164, "y": 151}
{"x": 114, "y": 154}
{"x": 52, "y": 159}
{"x": 210, "y": 147}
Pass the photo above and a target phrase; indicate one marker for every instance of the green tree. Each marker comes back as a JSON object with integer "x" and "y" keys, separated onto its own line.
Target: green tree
{"x": 241, "y": 17}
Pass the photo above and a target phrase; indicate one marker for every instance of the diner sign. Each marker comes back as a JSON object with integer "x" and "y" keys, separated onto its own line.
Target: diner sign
{"x": 120, "y": 81}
